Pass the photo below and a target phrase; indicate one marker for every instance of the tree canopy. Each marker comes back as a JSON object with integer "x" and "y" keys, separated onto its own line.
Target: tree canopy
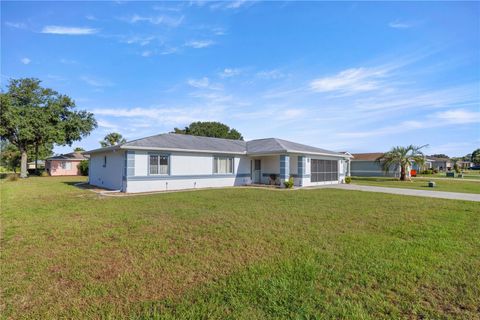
{"x": 440, "y": 155}
{"x": 78, "y": 149}
{"x": 112, "y": 139}
{"x": 476, "y": 157}
{"x": 33, "y": 116}
{"x": 210, "y": 129}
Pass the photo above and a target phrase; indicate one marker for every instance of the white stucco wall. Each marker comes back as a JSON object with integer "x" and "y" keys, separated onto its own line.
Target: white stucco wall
{"x": 187, "y": 171}
{"x": 111, "y": 175}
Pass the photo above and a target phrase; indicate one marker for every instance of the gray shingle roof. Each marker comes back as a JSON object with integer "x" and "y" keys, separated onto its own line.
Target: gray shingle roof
{"x": 274, "y": 145}
{"x": 70, "y": 156}
{"x": 188, "y": 142}
{"x": 172, "y": 141}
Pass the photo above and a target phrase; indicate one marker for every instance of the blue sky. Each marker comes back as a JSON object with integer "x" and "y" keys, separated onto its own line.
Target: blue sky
{"x": 356, "y": 76}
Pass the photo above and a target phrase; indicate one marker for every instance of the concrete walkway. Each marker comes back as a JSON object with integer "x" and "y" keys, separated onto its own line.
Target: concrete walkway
{"x": 410, "y": 192}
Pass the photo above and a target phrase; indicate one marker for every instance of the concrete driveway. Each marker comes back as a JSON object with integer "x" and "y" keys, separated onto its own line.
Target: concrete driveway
{"x": 410, "y": 192}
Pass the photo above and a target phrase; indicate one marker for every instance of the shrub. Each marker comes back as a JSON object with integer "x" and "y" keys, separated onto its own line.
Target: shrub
{"x": 12, "y": 177}
{"x": 428, "y": 171}
{"x": 348, "y": 180}
{"x": 289, "y": 183}
{"x": 83, "y": 167}
{"x": 44, "y": 173}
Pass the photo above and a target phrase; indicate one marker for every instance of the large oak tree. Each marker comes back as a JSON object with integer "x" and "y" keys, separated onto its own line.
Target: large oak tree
{"x": 210, "y": 129}
{"x": 32, "y": 116}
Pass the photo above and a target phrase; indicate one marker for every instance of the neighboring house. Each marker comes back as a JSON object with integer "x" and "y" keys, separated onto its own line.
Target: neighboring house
{"x": 465, "y": 164}
{"x": 427, "y": 165}
{"x": 40, "y": 164}
{"x": 441, "y": 164}
{"x": 366, "y": 165}
{"x": 176, "y": 161}
{"x": 65, "y": 164}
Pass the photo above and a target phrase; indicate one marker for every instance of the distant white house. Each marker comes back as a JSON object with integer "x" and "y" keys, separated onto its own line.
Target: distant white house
{"x": 175, "y": 161}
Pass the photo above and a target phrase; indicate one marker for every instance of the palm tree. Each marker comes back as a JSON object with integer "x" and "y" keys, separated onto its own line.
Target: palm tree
{"x": 112, "y": 139}
{"x": 402, "y": 157}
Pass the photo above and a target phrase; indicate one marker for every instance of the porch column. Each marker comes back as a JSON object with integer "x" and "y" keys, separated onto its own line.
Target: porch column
{"x": 301, "y": 169}
{"x": 284, "y": 168}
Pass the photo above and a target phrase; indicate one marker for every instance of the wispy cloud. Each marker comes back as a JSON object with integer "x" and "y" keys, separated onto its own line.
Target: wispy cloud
{"x": 68, "y": 61}
{"x": 96, "y": 82}
{"x": 270, "y": 74}
{"x": 225, "y": 5}
{"x": 203, "y": 83}
{"x": 439, "y": 119}
{"x": 399, "y": 25}
{"x": 168, "y": 21}
{"x": 147, "y": 53}
{"x": 350, "y": 80}
{"x": 199, "y": 44}
{"x": 229, "y": 72}
{"x": 25, "y": 60}
{"x": 72, "y": 31}
{"x": 141, "y": 40}
{"x": 16, "y": 25}
{"x": 91, "y": 17}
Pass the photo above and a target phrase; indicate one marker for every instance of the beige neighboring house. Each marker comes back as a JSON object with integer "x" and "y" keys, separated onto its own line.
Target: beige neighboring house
{"x": 65, "y": 164}
{"x": 441, "y": 164}
{"x": 465, "y": 164}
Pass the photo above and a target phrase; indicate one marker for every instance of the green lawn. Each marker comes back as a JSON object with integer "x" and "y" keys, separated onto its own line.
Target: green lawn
{"x": 453, "y": 185}
{"x": 468, "y": 174}
{"x": 235, "y": 253}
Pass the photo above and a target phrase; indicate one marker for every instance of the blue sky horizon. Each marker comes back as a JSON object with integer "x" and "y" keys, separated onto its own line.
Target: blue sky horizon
{"x": 354, "y": 76}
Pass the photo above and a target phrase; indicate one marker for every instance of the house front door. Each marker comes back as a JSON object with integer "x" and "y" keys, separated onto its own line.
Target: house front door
{"x": 257, "y": 171}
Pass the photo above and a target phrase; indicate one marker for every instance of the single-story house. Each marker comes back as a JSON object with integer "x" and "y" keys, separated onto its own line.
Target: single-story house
{"x": 441, "y": 164}
{"x": 65, "y": 164}
{"x": 366, "y": 165}
{"x": 40, "y": 164}
{"x": 465, "y": 164}
{"x": 175, "y": 161}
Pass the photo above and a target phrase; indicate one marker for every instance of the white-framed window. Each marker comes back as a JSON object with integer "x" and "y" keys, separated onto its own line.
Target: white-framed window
{"x": 158, "y": 164}
{"x": 223, "y": 165}
{"x": 66, "y": 165}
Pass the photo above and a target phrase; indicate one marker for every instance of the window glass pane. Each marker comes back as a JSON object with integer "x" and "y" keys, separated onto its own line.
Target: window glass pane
{"x": 230, "y": 165}
{"x": 322, "y": 176}
{"x": 163, "y": 164}
{"x": 153, "y": 164}
{"x": 68, "y": 165}
{"x": 322, "y": 166}
{"x": 215, "y": 165}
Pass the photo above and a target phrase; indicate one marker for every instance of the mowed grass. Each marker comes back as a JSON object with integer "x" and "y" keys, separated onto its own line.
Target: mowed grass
{"x": 236, "y": 253}
{"x": 453, "y": 185}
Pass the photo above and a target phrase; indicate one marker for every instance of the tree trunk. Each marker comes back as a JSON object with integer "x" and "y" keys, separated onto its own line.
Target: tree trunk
{"x": 402, "y": 173}
{"x": 36, "y": 158}
{"x": 23, "y": 164}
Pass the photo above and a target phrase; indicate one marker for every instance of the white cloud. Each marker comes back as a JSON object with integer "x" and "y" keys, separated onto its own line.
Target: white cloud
{"x": 350, "y": 80}
{"x": 438, "y": 119}
{"x": 169, "y": 50}
{"x": 230, "y": 72}
{"x": 199, "y": 83}
{"x": 270, "y": 74}
{"x": 157, "y": 20}
{"x": 96, "y": 82}
{"x": 25, "y": 60}
{"x": 199, "y": 44}
{"x": 225, "y": 5}
{"x": 147, "y": 53}
{"x": 91, "y": 17}
{"x": 141, "y": 40}
{"x": 73, "y": 31}
{"x": 399, "y": 25}
{"x": 16, "y": 25}
{"x": 458, "y": 116}
{"x": 154, "y": 115}
{"x": 105, "y": 124}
